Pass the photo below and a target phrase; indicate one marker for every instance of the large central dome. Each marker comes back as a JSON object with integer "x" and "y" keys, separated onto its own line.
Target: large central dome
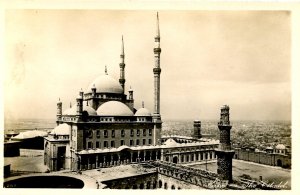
{"x": 114, "y": 108}
{"x": 105, "y": 84}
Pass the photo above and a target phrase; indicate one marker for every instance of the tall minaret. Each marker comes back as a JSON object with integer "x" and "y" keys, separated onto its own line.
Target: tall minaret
{"x": 157, "y": 71}
{"x": 122, "y": 66}
{"x": 224, "y": 152}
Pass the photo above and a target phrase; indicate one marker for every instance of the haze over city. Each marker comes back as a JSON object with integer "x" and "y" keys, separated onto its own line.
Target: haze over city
{"x": 209, "y": 58}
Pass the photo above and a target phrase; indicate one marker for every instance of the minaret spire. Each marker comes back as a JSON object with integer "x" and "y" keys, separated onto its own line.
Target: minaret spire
{"x": 157, "y": 26}
{"x": 156, "y": 71}
{"x": 122, "y": 66}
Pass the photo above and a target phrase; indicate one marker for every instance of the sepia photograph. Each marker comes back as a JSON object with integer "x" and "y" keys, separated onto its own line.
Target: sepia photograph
{"x": 147, "y": 99}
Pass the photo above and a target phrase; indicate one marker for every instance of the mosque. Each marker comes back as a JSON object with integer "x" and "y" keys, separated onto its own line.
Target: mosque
{"x": 105, "y": 129}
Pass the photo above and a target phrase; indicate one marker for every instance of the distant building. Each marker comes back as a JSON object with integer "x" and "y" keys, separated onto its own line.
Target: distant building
{"x": 277, "y": 156}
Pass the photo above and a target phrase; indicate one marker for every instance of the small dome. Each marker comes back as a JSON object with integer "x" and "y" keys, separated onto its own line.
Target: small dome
{"x": 171, "y": 143}
{"x": 73, "y": 110}
{"x": 105, "y": 84}
{"x": 114, "y": 108}
{"x": 280, "y": 147}
{"x": 62, "y": 129}
{"x": 143, "y": 112}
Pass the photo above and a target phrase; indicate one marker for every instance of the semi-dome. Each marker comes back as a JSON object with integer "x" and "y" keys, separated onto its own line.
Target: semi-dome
{"x": 72, "y": 111}
{"x": 105, "y": 84}
{"x": 280, "y": 147}
{"x": 114, "y": 108}
{"x": 62, "y": 129}
{"x": 142, "y": 112}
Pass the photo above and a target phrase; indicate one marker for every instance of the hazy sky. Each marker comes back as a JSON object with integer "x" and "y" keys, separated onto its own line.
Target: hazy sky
{"x": 209, "y": 58}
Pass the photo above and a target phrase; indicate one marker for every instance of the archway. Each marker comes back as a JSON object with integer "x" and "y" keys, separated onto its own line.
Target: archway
{"x": 166, "y": 186}
{"x": 125, "y": 155}
{"x": 148, "y": 185}
{"x": 279, "y": 163}
{"x": 173, "y": 187}
{"x": 142, "y": 186}
{"x": 160, "y": 184}
{"x": 175, "y": 159}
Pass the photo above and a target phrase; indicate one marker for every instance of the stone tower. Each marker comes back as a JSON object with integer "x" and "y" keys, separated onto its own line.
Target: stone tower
{"x": 79, "y": 109}
{"x": 157, "y": 71}
{"x": 122, "y": 67}
{"x": 224, "y": 152}
{"x": 197, "y": 129}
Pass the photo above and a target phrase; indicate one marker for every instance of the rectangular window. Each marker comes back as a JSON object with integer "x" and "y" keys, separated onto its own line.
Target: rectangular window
{"x": 105, "y": 144}
{"x": 97, "y": 144}
{"x": 131, "y": 133}
{"x": 122, "y": 142}
{"x": 122, "y": 133}
{"x": 150, "y": 141}
{"x": 150, "y": 132}
{"x": 144, "y": 141}
{"x": 137, "y": 142}
{"x": 112, "y": 144}
{"x": 105, "y": 133}
{"x": 98, "y": 133}
{"x": 131, "y": 142}
{"x": 90, "y": 145}
{"x": 112, "y": 133}
{"x": 144, "y": 132}
{"x": 137, "y": 132}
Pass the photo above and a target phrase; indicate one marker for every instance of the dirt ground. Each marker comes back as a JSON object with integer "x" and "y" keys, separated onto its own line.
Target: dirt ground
{"x": 269, "y": 173}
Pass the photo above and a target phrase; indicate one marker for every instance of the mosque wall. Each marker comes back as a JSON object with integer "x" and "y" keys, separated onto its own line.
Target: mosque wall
{"x": 144, "y": 181}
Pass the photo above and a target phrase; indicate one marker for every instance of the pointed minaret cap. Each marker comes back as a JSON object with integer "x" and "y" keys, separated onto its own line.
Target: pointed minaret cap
{"x": 157, "y": 25}
{"x": 122, "y": 48}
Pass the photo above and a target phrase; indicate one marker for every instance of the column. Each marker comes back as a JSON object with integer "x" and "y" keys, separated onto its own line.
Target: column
{"x": 97, "y": 158}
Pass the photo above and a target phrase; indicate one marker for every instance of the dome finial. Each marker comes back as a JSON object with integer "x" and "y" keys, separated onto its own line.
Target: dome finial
{"x": 105, "y": 69}
{"x": 70, "y": 105}
{"x": 143, "y": 104}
